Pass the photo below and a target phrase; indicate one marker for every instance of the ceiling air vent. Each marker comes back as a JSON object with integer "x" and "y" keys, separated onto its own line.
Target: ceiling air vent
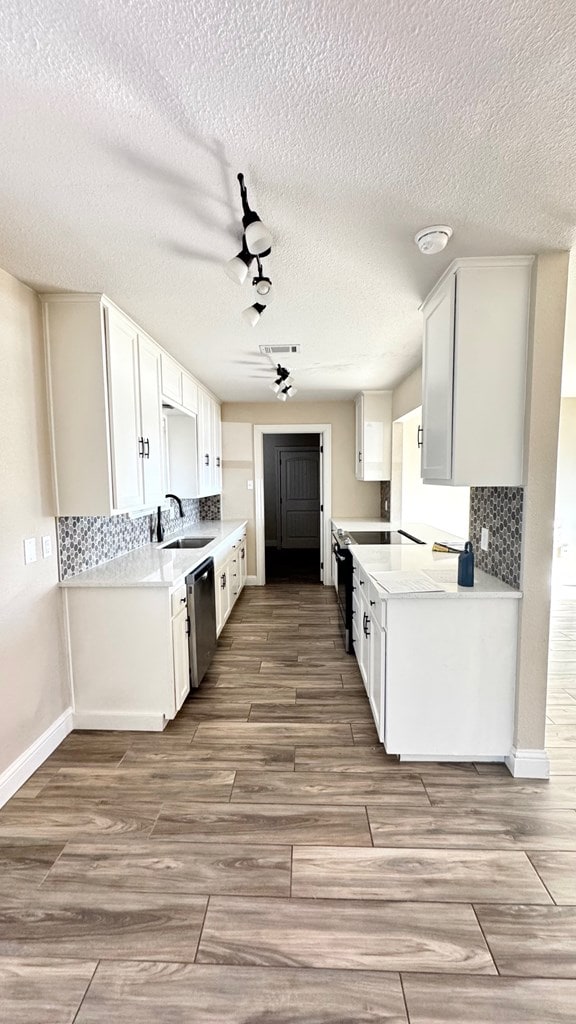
{"x": 279, "y": 350}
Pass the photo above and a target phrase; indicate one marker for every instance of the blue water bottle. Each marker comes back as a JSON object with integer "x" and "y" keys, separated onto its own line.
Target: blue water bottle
{"x": 466, "y": 566}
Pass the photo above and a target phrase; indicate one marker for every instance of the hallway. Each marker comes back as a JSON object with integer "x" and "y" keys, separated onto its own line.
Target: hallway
{"x": 263, "y": 860}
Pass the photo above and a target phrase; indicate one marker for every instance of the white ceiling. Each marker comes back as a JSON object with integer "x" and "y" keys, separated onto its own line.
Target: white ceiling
{"x": 356, "y": 122}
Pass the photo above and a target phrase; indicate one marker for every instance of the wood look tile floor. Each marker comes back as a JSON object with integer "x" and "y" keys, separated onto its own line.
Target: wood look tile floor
{"x": 263, "y": 861}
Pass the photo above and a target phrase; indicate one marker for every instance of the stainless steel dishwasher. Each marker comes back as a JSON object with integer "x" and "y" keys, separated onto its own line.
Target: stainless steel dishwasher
{"x": 202, "y": 616}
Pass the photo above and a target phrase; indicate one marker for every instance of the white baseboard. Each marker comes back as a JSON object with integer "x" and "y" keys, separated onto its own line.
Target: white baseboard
{"x": 119, "y": 721}
{"x": 24, "y": 766}
{"x": 251, "y": 581}
{"x": 528, "y": 764}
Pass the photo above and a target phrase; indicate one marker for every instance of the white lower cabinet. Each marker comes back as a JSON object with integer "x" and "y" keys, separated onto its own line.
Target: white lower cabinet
{"x": 180, "y": 655}
{"x": 439, "y": 672}
{"x": 128, "y": 646}
{"x": 230, "y": 577}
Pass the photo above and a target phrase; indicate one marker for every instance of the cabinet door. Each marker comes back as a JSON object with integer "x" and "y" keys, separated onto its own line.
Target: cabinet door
{"x": 126, "y": 441}
{"x": 359, "y": 411}
{"x": 204, "y": 444}
{"x": 171, "y": 379}
{"x": 180, "y": 627}
{"x": 216, "y": 446}
{"x": 438, "y": 385}
{"x": 235, "y": 576}
{"x": 189, "y": 393}
{"x": 223, "y": 594}
{"x": 377, "y": 683}
{"x": 151, "y": 418}
{"x": 243, "y": 563}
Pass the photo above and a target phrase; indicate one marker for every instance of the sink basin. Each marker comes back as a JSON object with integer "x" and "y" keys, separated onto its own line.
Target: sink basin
{"x": 189, "y": 542}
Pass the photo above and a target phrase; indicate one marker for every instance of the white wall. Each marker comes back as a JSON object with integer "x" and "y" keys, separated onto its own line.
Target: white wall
{"x": 549, "y": 293}
{"x": 33, "y": 682}
{"x": 565, "y": 514}
{"x": 444, "y": 507}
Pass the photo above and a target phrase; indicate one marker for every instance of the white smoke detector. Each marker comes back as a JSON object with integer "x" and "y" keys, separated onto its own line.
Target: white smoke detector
{"x": 434, "y": 239}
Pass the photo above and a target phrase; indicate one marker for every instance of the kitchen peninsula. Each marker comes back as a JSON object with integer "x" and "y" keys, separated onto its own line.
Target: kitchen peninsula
{"x": 438, "y": 665}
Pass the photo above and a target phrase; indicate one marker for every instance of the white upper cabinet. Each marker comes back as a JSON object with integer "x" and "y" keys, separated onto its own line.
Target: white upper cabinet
{"x": 126, "y": 440}
{"x": 106, "y": 382}
{"x": 373, "y": 435}
{"x": 171, "y": 379}
{"x": 189, "y": 393}
{"x": 476, "y": 323}
{"x": 209, "y": 445}
{"x": 438, "y": 370}
{"x": 149, "y": 362}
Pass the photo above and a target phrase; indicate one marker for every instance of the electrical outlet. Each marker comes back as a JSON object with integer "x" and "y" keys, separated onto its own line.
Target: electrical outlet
{"x": 484, "y": 539}
{"x": 46, "y": 547}
{"x": 250, "y": 485}
{"x": 29, "y": 550}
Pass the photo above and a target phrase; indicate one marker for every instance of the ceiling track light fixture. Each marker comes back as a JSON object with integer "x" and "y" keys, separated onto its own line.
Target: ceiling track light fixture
{"x": 258, "y": 237}
{"x": 283, "y": 386}
{"x": 256, "y": 243}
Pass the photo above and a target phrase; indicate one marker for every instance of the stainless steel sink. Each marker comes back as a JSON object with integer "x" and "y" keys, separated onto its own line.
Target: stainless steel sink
{"x": 189, "y": 542}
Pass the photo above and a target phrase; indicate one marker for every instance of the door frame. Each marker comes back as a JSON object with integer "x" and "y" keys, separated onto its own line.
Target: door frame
{"x": 325, "y": 432}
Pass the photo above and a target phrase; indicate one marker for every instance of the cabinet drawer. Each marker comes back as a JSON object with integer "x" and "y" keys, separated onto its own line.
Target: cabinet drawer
{"x": 178, "y": 599}
{"x": 376, "y": 604}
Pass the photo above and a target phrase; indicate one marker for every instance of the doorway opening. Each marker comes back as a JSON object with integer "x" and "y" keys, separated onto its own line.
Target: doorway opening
{"x": 323, "y": 433}
{"x": 292, "y": 508}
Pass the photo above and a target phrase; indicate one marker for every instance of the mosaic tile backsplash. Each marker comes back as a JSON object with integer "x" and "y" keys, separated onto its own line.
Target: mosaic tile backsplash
{"x": 385, "y": 496}
{"x": 499, "y": 509}
{"x": 85, "y": 542}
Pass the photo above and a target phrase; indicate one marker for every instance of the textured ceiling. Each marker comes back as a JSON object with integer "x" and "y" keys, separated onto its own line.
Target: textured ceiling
{"x": 355, "y": 121}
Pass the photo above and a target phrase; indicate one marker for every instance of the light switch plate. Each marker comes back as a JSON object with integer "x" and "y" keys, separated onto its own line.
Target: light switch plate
{"x": 484, "y": 539}
{"x": 29, "y": 550}
{"x": 46, "y": 547}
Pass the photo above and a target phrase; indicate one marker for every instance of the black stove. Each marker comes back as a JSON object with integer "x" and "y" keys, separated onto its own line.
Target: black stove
{"x": 386, "y": 537}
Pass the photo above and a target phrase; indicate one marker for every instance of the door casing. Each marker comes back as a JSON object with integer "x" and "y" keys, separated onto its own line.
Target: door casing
{"x": 325, "y": 432}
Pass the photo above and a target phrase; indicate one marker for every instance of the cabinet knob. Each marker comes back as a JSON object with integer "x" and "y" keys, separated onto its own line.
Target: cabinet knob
{"x": 183, "y": 600}
{"x": 372, "y": 603}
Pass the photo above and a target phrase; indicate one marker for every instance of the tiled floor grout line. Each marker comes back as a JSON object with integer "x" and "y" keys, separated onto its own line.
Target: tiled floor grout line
{"x": 87, "y": 989}
{"x": 201, "y": 932}
{"x": 488, "y": 947}
{"x": 404, "y": 997}
{"x": 540, "y": 876}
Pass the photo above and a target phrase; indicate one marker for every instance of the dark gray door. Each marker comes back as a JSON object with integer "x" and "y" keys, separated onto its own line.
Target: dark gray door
{"x": 299, "y": 489}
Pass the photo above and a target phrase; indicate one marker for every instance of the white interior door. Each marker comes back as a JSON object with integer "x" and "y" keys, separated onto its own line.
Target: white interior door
{"x": 437, "y": 386}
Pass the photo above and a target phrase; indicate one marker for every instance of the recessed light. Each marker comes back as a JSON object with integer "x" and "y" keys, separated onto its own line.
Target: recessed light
{"x": 434, "y": 239}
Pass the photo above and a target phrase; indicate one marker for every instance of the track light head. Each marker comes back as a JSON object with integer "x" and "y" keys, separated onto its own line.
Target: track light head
{"x": 253, "y": 313}
{"x": 238, "y": 267}
{"x": 263, "y": 288}
{"x": 258, "y": 237}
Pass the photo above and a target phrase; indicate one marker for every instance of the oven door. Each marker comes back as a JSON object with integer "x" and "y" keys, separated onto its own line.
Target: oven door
{"x": 343, "y": 562}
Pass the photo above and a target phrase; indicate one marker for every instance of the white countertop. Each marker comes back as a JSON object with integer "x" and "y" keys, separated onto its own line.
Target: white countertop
{"x": 440, "y": 567}
{"x": 154, "y": 565}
